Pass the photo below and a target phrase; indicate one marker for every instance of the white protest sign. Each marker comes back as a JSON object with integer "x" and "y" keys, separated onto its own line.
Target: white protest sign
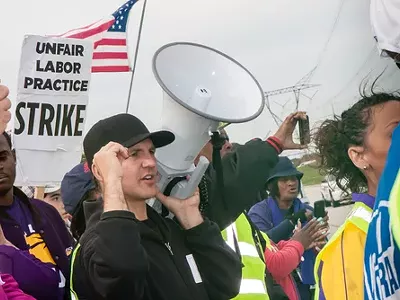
{"x": 53, "y": 93}
{"x": 52, "y": 96}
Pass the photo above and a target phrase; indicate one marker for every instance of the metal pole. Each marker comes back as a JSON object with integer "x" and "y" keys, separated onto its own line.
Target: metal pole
{"x": 136, "y": 55}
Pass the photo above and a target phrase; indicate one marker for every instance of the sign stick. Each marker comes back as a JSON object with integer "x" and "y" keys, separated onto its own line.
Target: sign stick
{"x": 136, "y": 55}
{"x": 39, "y": 192}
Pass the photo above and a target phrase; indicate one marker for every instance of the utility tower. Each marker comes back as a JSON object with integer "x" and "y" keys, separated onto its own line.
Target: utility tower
{"x": 302, "y": 84}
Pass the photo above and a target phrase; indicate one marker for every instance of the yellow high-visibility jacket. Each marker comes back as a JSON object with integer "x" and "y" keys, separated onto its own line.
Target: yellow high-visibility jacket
{"x": 339, "y": 266}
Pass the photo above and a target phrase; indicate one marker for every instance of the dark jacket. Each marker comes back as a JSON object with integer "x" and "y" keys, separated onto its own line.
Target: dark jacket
{"x": 123, "y": 258}
{"x": 33, "y": 276}
{"x": 261, "y": 215}
{"x": 245, "y": 172}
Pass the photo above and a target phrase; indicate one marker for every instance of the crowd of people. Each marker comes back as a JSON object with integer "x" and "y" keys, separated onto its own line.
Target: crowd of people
{"x": 94, "y": 236}
{"x": 243, "y": 234}
{"x": 249, "y": 236}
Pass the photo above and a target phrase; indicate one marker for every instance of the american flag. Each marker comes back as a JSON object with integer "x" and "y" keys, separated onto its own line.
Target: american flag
{"x": 109, "y": 38}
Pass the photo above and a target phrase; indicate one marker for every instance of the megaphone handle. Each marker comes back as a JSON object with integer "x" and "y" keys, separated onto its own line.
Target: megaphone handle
{"x": 195, "y": 179}
{"x": 156, "y": 205}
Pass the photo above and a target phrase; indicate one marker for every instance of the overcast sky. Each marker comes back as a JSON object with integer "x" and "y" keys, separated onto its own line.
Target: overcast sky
{"x": 279, "y": 41}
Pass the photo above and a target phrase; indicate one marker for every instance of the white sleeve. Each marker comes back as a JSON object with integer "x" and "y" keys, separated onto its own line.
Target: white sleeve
{"x": 385, "y": 21}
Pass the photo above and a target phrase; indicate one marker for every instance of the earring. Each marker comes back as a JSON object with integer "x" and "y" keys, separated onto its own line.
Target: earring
{"x": 365, "y": 167}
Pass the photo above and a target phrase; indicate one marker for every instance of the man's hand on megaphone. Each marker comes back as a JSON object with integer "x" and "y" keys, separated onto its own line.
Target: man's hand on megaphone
{"x": 5, "y": 105}
{"x": 285, "y": 131}
{"x": 186, "y": 211}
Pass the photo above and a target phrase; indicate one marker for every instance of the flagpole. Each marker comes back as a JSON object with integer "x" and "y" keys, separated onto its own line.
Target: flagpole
{"x": 136, "y": 55}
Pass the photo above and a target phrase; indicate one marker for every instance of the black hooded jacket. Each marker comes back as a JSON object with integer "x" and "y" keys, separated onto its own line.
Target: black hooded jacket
{"x": 123, "y": 258}
{"x": 245, "y": 172}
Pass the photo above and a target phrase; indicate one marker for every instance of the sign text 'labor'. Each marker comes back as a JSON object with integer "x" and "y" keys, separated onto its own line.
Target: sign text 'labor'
{"x": 53, "y": 89}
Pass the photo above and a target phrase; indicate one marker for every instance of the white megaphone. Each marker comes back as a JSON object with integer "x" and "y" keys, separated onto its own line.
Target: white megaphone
{"x": 202, "y": 87}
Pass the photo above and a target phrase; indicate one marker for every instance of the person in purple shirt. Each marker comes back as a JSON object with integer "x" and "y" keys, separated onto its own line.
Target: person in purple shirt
{"x": 35, "y": 245}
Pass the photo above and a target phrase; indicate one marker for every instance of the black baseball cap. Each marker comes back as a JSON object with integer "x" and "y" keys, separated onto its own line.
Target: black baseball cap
{"x": 124, "y": 129}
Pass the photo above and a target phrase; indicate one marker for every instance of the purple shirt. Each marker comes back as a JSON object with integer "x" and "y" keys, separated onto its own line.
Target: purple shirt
{"x": 364, "y": 198}
{"x": 21, "y": 214}
{"x": 40, "y": 264}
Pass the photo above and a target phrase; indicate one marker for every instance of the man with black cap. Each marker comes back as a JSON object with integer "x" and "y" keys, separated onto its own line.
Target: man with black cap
{"x": 128, "y": 251}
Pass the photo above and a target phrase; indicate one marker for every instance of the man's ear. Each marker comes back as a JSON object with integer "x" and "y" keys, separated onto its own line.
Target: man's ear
{"x": 93, "y": 170}
{"x": 358, "y": 157}
{"x": 96, "y": 174}
{"x": 14, "y": 155}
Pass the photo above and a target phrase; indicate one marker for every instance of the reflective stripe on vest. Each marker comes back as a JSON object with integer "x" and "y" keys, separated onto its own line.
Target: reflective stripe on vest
{"x": 252, "y": 286}
{"x": 74, "y": 296}
{"x": 244, "y": 247}
{"x": 394, "y": 210}
{"x": 360, "y": 216}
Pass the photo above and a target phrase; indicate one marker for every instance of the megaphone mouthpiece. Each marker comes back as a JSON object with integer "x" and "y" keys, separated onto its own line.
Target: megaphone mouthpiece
{"x": 200, "y": 99}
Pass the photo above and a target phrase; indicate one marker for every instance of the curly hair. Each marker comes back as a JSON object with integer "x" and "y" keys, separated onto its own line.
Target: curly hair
{"x": 334, "y": 137}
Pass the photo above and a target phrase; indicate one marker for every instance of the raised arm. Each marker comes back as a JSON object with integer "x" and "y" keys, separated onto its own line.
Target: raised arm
{"x": 282, "y": 262}
{"x": 245, "y": 172}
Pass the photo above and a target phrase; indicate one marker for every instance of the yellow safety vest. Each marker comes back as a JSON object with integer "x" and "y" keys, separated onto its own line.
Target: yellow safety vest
{"x": 341, "y": 275}
{"x": 394, "y": 209}
{"x": 252, "y": 286}
{"x": 74, "y": 296}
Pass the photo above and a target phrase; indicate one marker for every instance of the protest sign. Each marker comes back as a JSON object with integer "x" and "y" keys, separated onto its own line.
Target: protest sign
{"x": 53, "y": 92}
{"x": 52, "y": 97}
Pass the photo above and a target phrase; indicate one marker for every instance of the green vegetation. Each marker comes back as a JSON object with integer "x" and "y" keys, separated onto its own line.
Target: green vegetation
{"x": 311, "y": 176}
